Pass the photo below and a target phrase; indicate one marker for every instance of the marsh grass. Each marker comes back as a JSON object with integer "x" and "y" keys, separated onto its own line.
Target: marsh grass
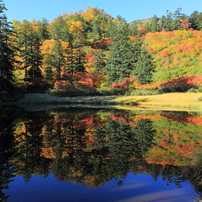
{"x": 200, "y": 99}
{"x": 136, "y": 92}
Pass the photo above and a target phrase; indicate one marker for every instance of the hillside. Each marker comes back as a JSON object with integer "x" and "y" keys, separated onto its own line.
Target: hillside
{"x": 90, "y": 53}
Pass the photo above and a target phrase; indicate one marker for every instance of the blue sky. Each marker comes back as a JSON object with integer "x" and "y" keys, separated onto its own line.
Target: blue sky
{"x": 128, "y": 9}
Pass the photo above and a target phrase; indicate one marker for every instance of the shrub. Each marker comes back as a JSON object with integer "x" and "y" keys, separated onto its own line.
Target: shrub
{"x": 195, "y": 90}
{"x": 192, "y": 90}
{"x": 121, "y": 84}
{"x": 65, "y": 88}
{"x": 110, "y": 91}
{"x": 92, "y": 80}
{"x": 57, "y": 92}
{"x": 181, "y": 84}
{"x": 200, "y": 99}
{"x": 143, "y": 92}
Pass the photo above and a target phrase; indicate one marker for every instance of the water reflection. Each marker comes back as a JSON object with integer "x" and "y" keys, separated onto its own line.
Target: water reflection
{"x": 94, "y": 146}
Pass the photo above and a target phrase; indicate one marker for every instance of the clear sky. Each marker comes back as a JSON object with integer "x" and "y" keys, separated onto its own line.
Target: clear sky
{"x": 128, "y": 9}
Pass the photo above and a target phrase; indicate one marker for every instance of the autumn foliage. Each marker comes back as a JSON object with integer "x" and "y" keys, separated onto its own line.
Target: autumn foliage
{"x": 185, "y": 118}
{"x": 91, "y": 80}
{"x": 75, "y": 47}
{"x": 175, "y": 84}
{"x": 175, "y": 53}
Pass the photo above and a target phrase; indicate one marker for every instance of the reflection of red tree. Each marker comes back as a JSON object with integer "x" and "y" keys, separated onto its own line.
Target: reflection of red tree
{"x": 90, "y": 80}
{"x": 151, "y": 117}
{"x": 185, "y": 148}
{"x": 165, "y": 143}
{"x": 160, "y": 160}
{"x": 78, "y": 122}
{"x": 128, "y": 120}
{"x": 61, "y": 119}
{"x": 88, "y": 121}
{"x": 90, "y": 140}
{"x": 124, "y": 119}
{"x": 196, "y": 120}
{"x": 121, "y": 118}
{"x": 183, "y": 117}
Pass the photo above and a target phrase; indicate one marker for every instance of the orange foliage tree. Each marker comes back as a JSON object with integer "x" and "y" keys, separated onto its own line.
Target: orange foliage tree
{"x": 175, "y": 53}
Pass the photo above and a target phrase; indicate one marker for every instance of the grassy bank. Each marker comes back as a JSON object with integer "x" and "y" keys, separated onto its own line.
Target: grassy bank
{"x": 174, "y": 100}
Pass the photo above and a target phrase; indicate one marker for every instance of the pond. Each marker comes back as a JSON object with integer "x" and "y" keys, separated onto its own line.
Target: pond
{"x": 98, "y": 154}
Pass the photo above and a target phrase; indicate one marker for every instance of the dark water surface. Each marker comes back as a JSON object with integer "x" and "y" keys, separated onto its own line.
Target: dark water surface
{"x": 78, "y": 154}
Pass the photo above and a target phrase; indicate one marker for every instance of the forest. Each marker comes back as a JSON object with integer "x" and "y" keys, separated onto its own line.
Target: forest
{"x": 89, "y": 52}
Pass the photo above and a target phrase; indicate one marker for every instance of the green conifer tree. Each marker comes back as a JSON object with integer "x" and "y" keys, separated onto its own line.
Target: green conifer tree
{"x": 154, "y": 24}
{"x": 122, "y": 57}
{"x": 100, "y": 62}
{"x": 144, "y": 67}
{"x": 6, "y": 51}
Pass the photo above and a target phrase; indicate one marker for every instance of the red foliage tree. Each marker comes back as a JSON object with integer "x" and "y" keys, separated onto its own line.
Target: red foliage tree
{"x": 71, "y": 80}
{"x": 185, "y": 24}
{"x": 122, "y": 84}
{"x": 185, "y": 82}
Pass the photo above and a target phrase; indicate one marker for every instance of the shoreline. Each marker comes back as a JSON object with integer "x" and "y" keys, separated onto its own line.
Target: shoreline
{"x": 183, "y": 101}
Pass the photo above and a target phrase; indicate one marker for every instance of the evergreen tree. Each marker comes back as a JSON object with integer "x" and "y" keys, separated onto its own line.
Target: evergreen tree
{"x": 29, "y": 45}
{"x": 75, "y": 59}
{"x": 196, "y": 20}
{"x": 122, "y": 56}
{"x": 100, "y": 62}
{"x": 96, "y": 31}
{"x": 120, "y": 62}
{"x": 36, "y": 62}
{"x": 111, "y": 31}
{"x": 42, "y": 30}
{"x": 144, "y": 67}
{"x": 58, "y": 57}
{"x": 171, "y": 21}
{"x": 177, "y": 17}
{"x": 58, "y": 30}
{"x": 154, "y": 24}
{"x": 166, "y": 23}
{"x": 6, "y": 51}
{"x": 133, "y": 28}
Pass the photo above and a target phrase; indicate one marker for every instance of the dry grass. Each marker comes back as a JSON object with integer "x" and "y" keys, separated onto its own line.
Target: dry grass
{"x": 168, "y": 100}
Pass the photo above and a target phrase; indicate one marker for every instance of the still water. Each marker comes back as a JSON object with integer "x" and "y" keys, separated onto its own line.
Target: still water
{"x": 78, "y": 154}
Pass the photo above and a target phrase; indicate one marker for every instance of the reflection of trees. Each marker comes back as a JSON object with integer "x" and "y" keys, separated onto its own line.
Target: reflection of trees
{"x": 6, "y": 151}
{"x": 174, "y": 142}
{"x": 87, "y": 147}
{"x": 29, "y": 143}
{"x": 195, "y": 174}
{"x": 183, "y": 117}
{"x": 78, "y": 147}
{"x": 67, "y": 139}
{"x": 125, "y": 143}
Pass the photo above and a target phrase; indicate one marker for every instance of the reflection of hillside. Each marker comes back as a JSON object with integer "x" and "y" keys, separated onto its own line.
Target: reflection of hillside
{"x": 183, "y": 117}
{"x": 93, "y": 147}
{"x": 174, "y": 142}
{"x": 67, "y": 142}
